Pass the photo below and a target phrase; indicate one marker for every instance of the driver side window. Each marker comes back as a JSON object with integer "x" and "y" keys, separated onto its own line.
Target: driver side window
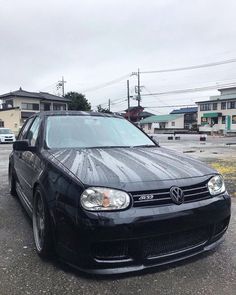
{"x": 25, "y": 129}
{"x": 32, "y": 134}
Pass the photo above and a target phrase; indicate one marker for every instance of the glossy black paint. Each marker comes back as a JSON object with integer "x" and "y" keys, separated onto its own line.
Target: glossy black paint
{"x": 80, "y": 236}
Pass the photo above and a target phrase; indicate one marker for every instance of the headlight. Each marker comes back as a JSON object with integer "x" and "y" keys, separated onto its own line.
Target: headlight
{"x": 216, "y": 185}
{"x": 97, "y": 199}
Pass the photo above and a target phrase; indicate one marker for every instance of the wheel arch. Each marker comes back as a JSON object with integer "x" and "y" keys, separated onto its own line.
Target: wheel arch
{"x": 52, "y": 217}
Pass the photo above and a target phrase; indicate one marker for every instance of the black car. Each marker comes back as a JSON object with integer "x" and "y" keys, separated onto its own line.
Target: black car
{"x": 107, "y": 199}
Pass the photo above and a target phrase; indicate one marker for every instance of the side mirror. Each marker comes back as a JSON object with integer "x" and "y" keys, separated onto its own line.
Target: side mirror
{"x": 23, "y": 145}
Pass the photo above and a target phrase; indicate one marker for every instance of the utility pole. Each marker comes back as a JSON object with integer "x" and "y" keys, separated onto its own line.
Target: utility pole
{"x": 62, "y": 85}
{"x": 109, "y": 104}
{"x": 139, "y": 92}
{"x": 128, "y": 98}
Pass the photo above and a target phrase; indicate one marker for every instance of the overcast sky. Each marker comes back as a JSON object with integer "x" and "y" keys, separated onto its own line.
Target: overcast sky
{"x": 91, "y": 42}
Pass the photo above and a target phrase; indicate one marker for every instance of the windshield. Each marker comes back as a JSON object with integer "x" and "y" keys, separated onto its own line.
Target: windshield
{"x": 92, "y": 131}
{"x": 5, "y": 131}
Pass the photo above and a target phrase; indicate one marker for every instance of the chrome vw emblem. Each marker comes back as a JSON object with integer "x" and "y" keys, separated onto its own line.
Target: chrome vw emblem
{"x": 177, "y": 195}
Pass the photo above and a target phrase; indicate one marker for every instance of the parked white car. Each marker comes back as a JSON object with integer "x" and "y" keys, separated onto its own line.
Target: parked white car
{"x": 6, "y": 135}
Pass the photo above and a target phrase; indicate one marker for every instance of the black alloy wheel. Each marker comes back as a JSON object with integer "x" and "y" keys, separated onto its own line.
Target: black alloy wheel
{"x": 41, "y": 225}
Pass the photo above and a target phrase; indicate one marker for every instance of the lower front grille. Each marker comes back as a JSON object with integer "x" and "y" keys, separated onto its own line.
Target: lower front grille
{"x": 221, "y": 227}
{"x": 151, "y": 247}
{"x": 115, "y": 250}
{"x": 171, "y": 243}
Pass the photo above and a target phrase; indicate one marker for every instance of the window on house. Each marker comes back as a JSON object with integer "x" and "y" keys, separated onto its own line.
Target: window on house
{"x": 9, "y": 103}
{"x": 223, "y": 120}
{"x": 233, "y": 119}
{"x": 214, "y": 121}
{"x": 214, "y": 106}
{"x": 223, "y": 105}
{"x": 204, "y": 121}
{"x": 205, "y": 107}
{"x": 149, "y": 126}
{"x": 45, "y": 106}
{"x": 1, "y": 123}
{"x": 30, "y": 106}
{"x": 231, "y": 105}
{"x": 59, "y": 107}
{"x": 172, "y": 123}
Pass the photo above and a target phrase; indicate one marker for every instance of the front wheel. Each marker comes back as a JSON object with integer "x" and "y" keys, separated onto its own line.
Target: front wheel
{"x": 42, "y": 226}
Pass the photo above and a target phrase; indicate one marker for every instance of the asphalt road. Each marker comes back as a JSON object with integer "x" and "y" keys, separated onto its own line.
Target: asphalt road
{"x": 23, "y": 272}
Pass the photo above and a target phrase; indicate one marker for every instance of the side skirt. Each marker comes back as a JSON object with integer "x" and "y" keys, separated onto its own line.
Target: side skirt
{"x": 25, "y": 202}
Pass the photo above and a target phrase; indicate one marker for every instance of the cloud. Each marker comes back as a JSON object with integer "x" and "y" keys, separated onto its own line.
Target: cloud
{"x": 91, "y": 42}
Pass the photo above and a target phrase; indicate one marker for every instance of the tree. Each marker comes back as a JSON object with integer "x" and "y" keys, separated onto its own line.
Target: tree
{"x": 77, "y": 102}
{"x": 102, "y": 110}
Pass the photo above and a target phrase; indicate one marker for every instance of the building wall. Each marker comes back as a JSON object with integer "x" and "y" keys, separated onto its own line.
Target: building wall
{"x": 178, "y": 123}
{"x": 150, "y": 127}
{"x": 11, "y": 119}
{"x": 219, "y": 126}
{"x": 18, "y": 101}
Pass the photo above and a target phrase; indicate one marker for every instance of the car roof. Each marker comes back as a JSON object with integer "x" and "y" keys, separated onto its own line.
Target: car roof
{"x": 76, "y": 113}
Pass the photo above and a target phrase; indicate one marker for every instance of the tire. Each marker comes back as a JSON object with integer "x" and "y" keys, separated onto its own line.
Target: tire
{"x": 12, "y": 182}
{"x": 42, "y": 226}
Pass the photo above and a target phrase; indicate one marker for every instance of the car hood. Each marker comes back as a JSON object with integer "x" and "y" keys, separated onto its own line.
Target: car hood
{"x": 129, "y": 168}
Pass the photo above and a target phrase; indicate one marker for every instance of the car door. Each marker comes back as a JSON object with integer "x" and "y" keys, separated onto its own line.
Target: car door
{"x": 30, "y": 159}
{"x": 17, "y": 155}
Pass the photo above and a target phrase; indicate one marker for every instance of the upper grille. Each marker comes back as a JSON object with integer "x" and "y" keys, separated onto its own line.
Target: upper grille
{"x": 162, "y": 197}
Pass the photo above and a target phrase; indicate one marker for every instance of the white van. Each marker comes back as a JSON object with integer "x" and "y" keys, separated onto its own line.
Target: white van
{"x": 6, "y": 135}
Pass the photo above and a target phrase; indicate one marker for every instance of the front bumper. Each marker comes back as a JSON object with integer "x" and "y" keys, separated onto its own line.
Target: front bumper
{"x": 7, "y": 139}
{"x": 140, "y": 238}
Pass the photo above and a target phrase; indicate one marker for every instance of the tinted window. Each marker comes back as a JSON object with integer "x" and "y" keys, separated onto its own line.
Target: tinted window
{"x": 25, "y": 128}
{"x": 32, "y": 135}
{"x": 223, "y": 105}
{"x": 214, "y": 106}
{"x": 30, "y": 106}
{"x": 91, "y": 131}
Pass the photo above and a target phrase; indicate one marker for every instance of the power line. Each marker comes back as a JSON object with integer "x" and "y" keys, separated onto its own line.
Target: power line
{"x": 49, "y": 86}
{"x": 106, "y": 84}
{"x": 170, "y": 106}
{"x": 193, "y": 67}
{"x": 112, "y": 102}
{"x": 189, "y": 90}
{"x": 150, "y": 92}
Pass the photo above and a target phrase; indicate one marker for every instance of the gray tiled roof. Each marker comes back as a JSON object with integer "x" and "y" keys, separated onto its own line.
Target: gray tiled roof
{"x": 185, "y": 110}
{"x": 36, "y": 95}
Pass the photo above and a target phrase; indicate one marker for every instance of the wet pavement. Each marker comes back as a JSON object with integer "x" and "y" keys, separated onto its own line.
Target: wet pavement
{"x": 23, "y": 272}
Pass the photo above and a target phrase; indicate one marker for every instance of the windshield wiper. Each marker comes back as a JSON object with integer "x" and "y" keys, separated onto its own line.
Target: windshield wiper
{"x": 145, "y": 145}
{"x": 109, "y": 146}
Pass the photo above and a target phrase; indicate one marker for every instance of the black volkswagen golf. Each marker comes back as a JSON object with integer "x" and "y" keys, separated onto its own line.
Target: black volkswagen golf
{"x": 107, "y": 199}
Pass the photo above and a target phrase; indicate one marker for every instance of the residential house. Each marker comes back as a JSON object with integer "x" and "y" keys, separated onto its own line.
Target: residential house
{"x": 19, "y": 105}
{"x": 154, "y": 124}
{"x": 218, "y": 114}
{"x": 190, "y": 117}
{"x": 136, "y": 114}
